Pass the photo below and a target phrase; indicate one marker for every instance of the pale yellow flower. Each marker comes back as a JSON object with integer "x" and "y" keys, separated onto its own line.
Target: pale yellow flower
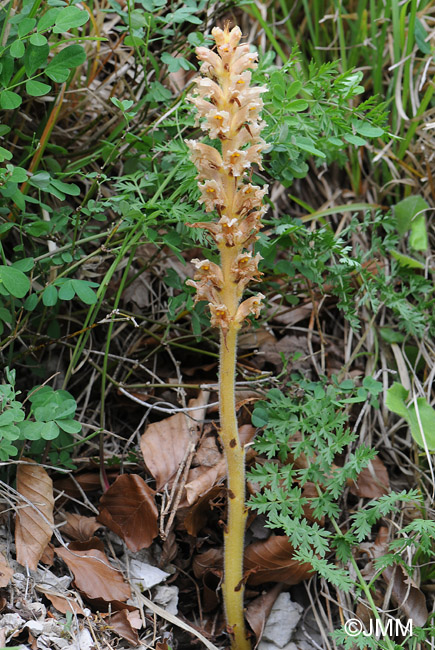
{"x": 217, "y": 123}
{"x": 249, "y": 306}
{"x": 205, "y": 87}
{"x": 248, "y": 198}
{"x": 245, "y": 269}
{"x": 238, "y": 160}
{"x": 212, "y": 195}
{"x": 207, "y": 160}
{"x": 212, "y": 62}
{"x": 220, "y": 316}
{"x": 244, "y": 61}
{"x": 204, "y": 291}
{"x": 209, "y": 271}
{"x": 227, "y": 37}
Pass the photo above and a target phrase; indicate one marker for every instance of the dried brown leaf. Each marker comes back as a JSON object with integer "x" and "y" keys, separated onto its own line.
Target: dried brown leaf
{"x": 205, "y": 481}
{"x": 255, "y": 339}
{"x": 94, "y": 575}
{"x": 404, "y": 591}
{"x": 80, "y": 528}
{"x": 373, "y": 482}
{"x": 207, "y": 454}
{"x": 164, "y": 443}
{"x": 6, "y": 572}
{"x": 208, "y": 567}
{"x": 170, "y": 549}
{"x": 291, "y": 315}
{"x": 34, "y": 525}
{"x": 211, "y": 591}
{"x": 64, "y": 605}
{"x": 244, "y": 397}
{"x": 202, "y": 483}
{"x": 211, "y": 560}
{"x": 271, "y": 560}
{"x": 197, "y": 516}
{"x": 32, "y": 640}
{"x": 121, "y": 623}
{"x": 406, "y": 594}
{"x": 88, "y": 482}
{"x": 87, "y": 545}
{"x": 47, "y": 556}
{"x": 259, "y": 609}
{"x": 128, "y": 508}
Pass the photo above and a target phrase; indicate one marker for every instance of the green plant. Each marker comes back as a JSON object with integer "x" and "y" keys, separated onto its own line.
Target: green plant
{"x": 314, "y": 114}
{"x": 50, "y": 418}
{"x": 419, "y": 414}
{"x": 305, "y": 431}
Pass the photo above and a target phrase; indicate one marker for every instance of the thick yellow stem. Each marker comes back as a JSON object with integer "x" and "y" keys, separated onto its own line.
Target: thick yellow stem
{"x": 233, "y": 587}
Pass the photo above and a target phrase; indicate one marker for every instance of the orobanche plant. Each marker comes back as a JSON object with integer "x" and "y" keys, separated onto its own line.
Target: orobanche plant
{"x": 229, "y": 111}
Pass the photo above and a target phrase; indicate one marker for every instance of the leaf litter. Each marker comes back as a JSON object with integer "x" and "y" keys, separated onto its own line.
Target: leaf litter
{"x": 129, "y": 509}
{"x": 34, "y": 523}
{"x": 117, "y": 556}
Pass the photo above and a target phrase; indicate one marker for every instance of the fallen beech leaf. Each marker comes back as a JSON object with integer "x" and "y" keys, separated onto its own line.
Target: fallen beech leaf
{"x": 164, "y": 444}
{"x": 271, "y": 560}
{"x": 373, "y": 482}
{"x": 202, "y": 483}
{"x": 170, "y": 549}
{"x": 244, "y": 397}
{"x": 211, "y": 560}
{"x": 211, "y": 590}
{"x": 47, "y": 556}
{"x": 205, "y": 481}
{"x": 197, "y": 516}
{"x": 6, "y": 572}
{"x": 87, "y": 545}
{"x": 255, "y": 339}
{"x": 120, "y": 622}
{"x": 88, "y": 482}
{"x": 273, "y": 352}
{"x": 204, "y": 367}
{"x": 290, "y": 315}
{"x": 259, "y": 609}
{"x": 404, "y": 591}
{"x": 80, "y": 528}
{"x": 207, "y": 454}
{"x": 208, "y": 567}
{"x": 34, "y": 525}
{"x": 32, "y": 640}
{"x": 64, "y": 605}
{"x": 406, "y": 594}
{"x": 364, "y": 612}
{"x": 128, "y": 508}
{"x": 94, "y": 575}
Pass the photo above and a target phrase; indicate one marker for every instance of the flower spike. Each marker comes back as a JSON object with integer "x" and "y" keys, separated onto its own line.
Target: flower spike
{"x": 228, "y": 109}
